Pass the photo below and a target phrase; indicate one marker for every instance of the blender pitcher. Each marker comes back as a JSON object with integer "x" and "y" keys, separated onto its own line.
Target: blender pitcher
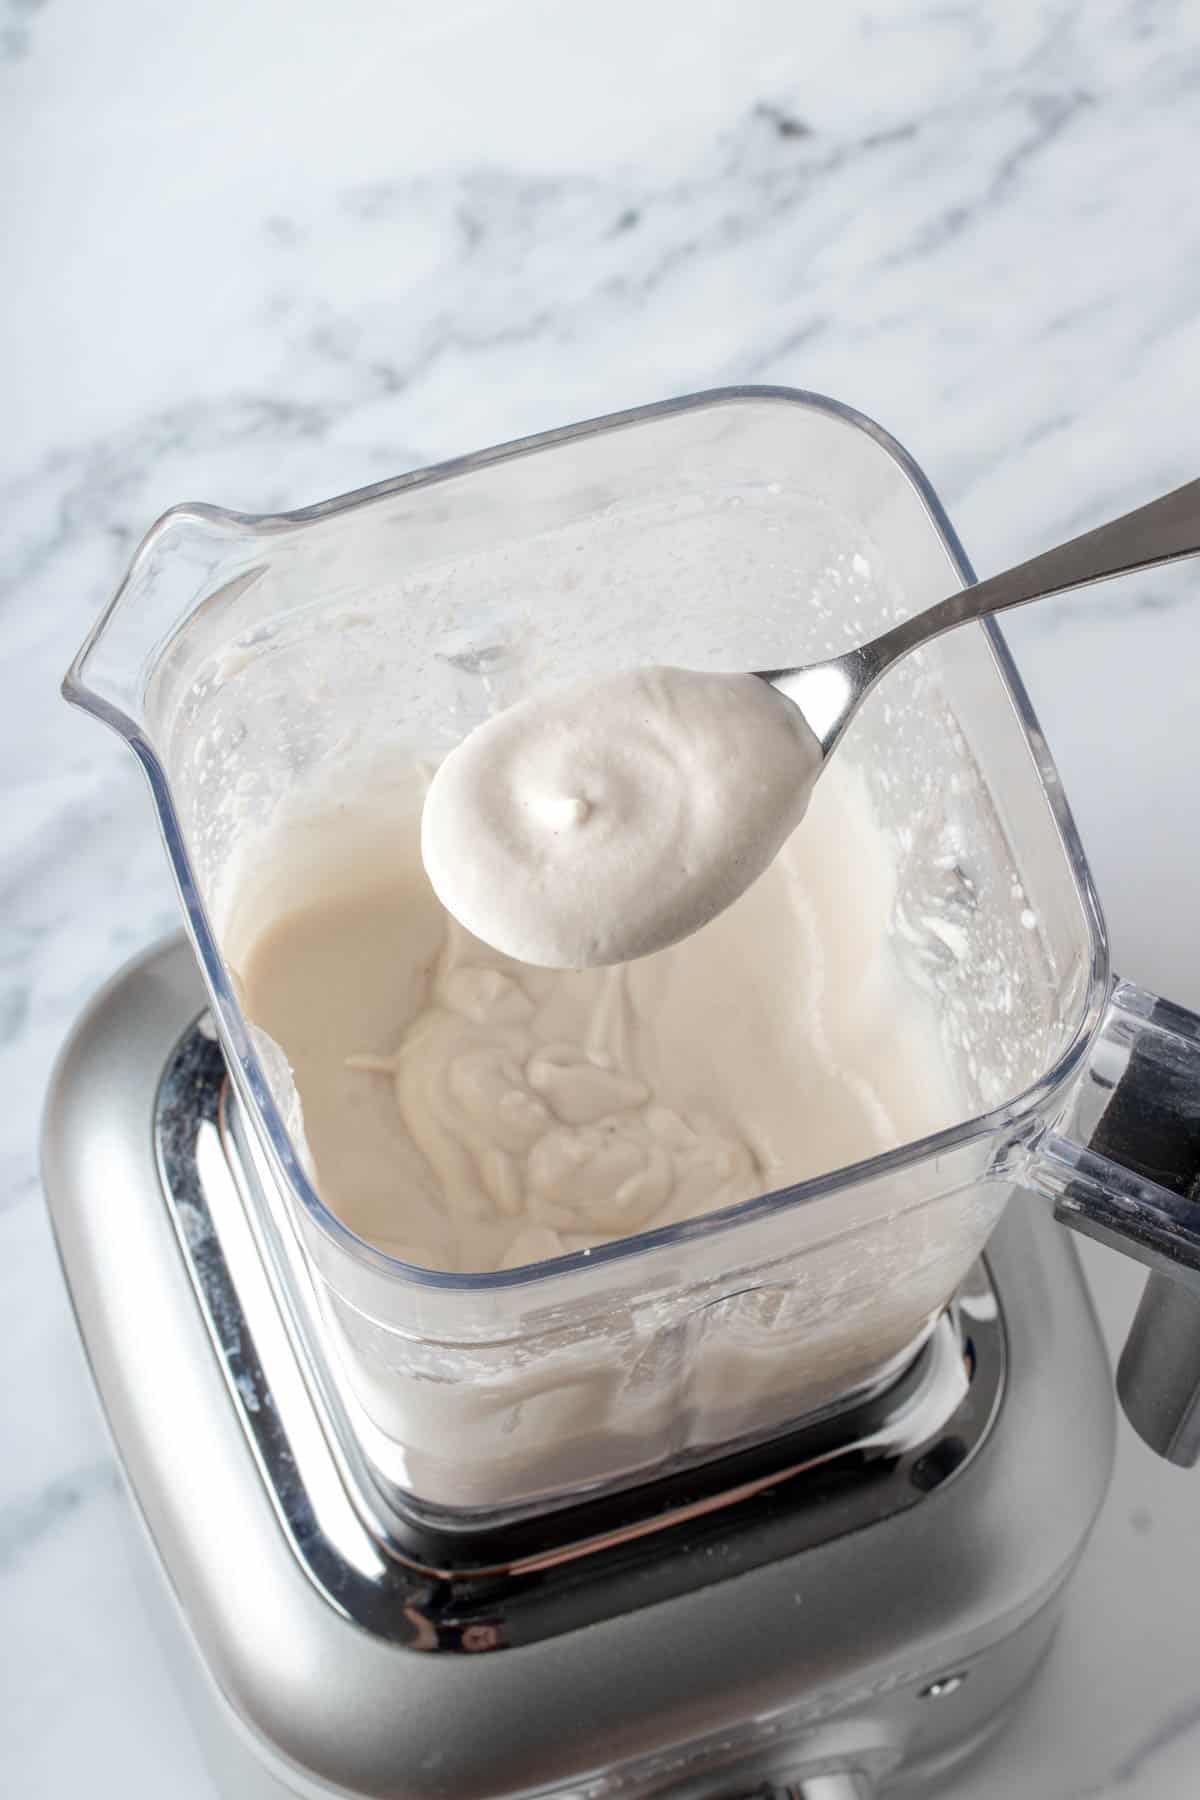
{"x": 242, "y": 654}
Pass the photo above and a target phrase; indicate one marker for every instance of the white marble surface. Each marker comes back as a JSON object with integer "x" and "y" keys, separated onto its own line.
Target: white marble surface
{"x": 260, "y": 254}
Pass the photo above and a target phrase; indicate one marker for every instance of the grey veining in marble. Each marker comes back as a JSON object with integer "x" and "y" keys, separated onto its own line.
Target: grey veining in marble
{"x": 258, "y": 255}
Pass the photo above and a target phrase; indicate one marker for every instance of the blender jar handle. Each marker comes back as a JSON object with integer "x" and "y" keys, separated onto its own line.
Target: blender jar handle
{"x": 1123, "y": 1166}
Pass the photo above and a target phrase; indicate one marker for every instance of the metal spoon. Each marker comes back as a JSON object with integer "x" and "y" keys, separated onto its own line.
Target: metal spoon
{"x": 830, "y": 693}
{"x": 538, "y": 837}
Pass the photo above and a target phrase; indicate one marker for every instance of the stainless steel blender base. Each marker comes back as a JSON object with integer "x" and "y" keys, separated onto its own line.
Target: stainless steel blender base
{"x": 753, "y": 1647}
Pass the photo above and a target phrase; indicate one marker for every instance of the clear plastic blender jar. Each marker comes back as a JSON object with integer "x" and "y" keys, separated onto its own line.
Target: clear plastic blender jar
{"x": 243, "y": 654}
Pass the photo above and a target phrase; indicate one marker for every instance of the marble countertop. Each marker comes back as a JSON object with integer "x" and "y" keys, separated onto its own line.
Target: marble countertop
{"x": 259, "y": 255}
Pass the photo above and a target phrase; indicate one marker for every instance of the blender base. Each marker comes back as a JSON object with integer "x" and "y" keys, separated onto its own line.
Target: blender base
{"x": 806, "y": 1639}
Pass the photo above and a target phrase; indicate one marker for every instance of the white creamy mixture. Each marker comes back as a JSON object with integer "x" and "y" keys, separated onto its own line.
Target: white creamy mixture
{"x": 613, "y": 817}
{"x": 466, "y": 1111}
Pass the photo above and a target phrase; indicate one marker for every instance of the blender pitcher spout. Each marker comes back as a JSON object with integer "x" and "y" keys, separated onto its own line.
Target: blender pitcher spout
{"x": 1122, "y": 1165}
{"x": 189, "y": 560}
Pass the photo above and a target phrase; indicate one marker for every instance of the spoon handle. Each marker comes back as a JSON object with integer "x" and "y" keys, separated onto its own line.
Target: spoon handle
{"x": 1160, "y": 532}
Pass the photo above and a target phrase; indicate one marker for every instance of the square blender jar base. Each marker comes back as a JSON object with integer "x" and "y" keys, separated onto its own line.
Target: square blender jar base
{"x": 869, "y": 1616}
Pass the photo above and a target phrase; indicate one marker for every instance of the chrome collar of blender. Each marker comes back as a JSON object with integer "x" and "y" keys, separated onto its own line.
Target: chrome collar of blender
{"x": 433, "y": 1583}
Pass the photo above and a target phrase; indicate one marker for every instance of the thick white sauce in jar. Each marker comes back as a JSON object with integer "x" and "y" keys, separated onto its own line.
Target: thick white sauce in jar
{"x": 467, "y": 1111}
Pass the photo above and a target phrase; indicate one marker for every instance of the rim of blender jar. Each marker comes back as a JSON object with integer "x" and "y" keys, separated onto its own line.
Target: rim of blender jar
{"x": 203, "y": 938}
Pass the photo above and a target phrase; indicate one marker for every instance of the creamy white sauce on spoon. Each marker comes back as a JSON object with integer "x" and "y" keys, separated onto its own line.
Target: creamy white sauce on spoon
{"x": 611, "y": 818}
